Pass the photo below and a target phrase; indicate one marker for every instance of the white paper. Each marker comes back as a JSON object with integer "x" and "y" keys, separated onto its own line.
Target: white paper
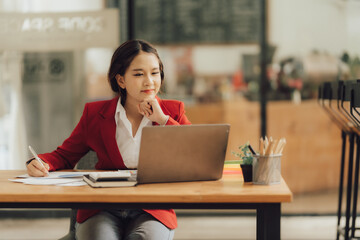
{"x": 17, "y": 180}
{"x": 56, "y": 174}
{"x": 73, "y": 184}
{"x": 48, "y": 181}
{"x": 61, "y": 178}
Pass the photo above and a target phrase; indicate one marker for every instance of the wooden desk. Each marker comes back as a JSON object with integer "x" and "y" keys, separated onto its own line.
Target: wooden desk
{"x": 228, "y": 193}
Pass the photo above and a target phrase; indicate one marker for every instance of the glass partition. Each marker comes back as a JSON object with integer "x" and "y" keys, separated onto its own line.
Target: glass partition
{"x": 48, "y": 70}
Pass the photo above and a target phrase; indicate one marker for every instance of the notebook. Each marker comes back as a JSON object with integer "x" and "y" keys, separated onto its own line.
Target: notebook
{"x": 120, "y": 178}
{"x": 182, "y": 153}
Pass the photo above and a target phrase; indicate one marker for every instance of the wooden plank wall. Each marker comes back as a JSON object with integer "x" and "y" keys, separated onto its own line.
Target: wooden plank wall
{"x": 311, "y": 159}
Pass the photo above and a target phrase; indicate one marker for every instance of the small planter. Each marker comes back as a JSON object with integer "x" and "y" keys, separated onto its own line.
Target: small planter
{"x": 247, "y": 172}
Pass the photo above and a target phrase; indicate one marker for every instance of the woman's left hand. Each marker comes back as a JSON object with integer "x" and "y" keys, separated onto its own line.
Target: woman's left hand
{"x": 150, "y": 108}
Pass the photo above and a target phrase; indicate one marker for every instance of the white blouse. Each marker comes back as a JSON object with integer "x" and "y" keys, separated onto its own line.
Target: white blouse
{"x": 128, "y": 145}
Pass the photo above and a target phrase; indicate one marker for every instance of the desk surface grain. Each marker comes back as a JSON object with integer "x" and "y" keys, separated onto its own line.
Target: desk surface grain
{"x": 229, "y": 189}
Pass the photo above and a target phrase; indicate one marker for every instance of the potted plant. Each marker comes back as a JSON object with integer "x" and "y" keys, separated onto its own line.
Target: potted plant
{"x": 246, "y": 159}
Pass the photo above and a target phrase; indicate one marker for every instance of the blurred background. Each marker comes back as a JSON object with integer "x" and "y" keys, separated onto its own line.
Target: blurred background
{"x": 251, "y": 63}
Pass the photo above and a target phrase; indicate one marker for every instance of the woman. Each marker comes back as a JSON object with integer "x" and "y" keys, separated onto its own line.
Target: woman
{"x": 112, "y": 129}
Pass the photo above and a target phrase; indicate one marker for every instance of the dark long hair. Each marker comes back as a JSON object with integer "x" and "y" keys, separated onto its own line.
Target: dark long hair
{"x": 122, "y": 58}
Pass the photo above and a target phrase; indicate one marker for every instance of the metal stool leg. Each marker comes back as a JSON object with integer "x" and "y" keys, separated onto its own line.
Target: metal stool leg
{"x": 356, "y": 185}
{"x": 341, "y": 184}
{"x": 349, "y": 186}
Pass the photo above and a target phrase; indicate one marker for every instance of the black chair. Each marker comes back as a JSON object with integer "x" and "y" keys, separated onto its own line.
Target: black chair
{"x": 353, "y": 93}
{"x": 86, "y": 162}
{"x": 340, "y": 100}
{"x": 335, "y": 94}
{"x": 345, "y": 98}
{"x": 347, "y": 101}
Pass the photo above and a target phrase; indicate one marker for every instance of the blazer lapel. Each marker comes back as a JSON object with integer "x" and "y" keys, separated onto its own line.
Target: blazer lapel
{"x": 108, "y": 132}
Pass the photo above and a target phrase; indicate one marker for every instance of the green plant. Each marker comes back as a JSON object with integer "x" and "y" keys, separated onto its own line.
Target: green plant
{"x": 245, "y": 154}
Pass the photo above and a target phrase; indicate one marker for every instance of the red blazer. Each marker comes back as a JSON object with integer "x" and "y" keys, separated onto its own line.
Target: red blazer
{"x": 96, "y": 131}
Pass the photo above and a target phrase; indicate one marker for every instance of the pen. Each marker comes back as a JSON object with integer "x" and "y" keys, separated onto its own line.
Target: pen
{"x": 252, "y": 150}
{"x": 36, "y": 156}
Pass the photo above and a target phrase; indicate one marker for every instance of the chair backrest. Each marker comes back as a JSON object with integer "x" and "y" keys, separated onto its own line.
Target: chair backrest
{"x": 88, "y": 161}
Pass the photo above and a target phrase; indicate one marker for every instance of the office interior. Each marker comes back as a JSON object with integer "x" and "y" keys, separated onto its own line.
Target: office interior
{"x": 54, "y": 57}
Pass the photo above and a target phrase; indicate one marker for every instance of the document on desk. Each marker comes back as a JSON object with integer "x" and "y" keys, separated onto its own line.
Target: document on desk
{"x": 53, "y": 178}
{"x": 59, "y": 174}
{"x": 50, "y": 181}
{"x": 60, "y": 178}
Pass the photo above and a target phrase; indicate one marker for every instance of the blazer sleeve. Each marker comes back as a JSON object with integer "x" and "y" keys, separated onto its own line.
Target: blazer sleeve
{"x": 178, "y": 117}
{"x": 73, "y": 148}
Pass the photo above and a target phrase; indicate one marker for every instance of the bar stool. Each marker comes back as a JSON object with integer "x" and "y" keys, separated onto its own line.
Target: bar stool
{"x": 335, "y": 97}
{"x": 328, "y": 92}
{"x": 355, "y": 103}
{"x": 346, "y": 92}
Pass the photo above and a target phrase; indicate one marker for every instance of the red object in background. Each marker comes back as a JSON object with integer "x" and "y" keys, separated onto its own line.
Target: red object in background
{"x": 295, "y": 83}
{"x": 238, "y": 81}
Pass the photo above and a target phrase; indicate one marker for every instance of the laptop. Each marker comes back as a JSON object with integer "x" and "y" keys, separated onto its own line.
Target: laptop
{"x": 182, "y": 153}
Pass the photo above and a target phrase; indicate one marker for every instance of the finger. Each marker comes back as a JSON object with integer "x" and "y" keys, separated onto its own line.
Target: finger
{"x": 46, "y": 166}
{"x": 155, "y": 105}
{"x": 41, "y": 166}
{"x": 140, "y": 110}
{"x": 143, "y": 105}
{"x": 147, "y": 111}
{"x": 149, "y": 105}
{"x": 34, "y": 171}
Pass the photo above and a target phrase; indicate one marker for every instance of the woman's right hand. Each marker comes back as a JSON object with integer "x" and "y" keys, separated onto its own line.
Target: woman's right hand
{"x": 35, "y": 169}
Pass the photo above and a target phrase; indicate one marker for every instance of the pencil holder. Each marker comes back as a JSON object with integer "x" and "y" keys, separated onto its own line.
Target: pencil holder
{"x": 267, "y": 169}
